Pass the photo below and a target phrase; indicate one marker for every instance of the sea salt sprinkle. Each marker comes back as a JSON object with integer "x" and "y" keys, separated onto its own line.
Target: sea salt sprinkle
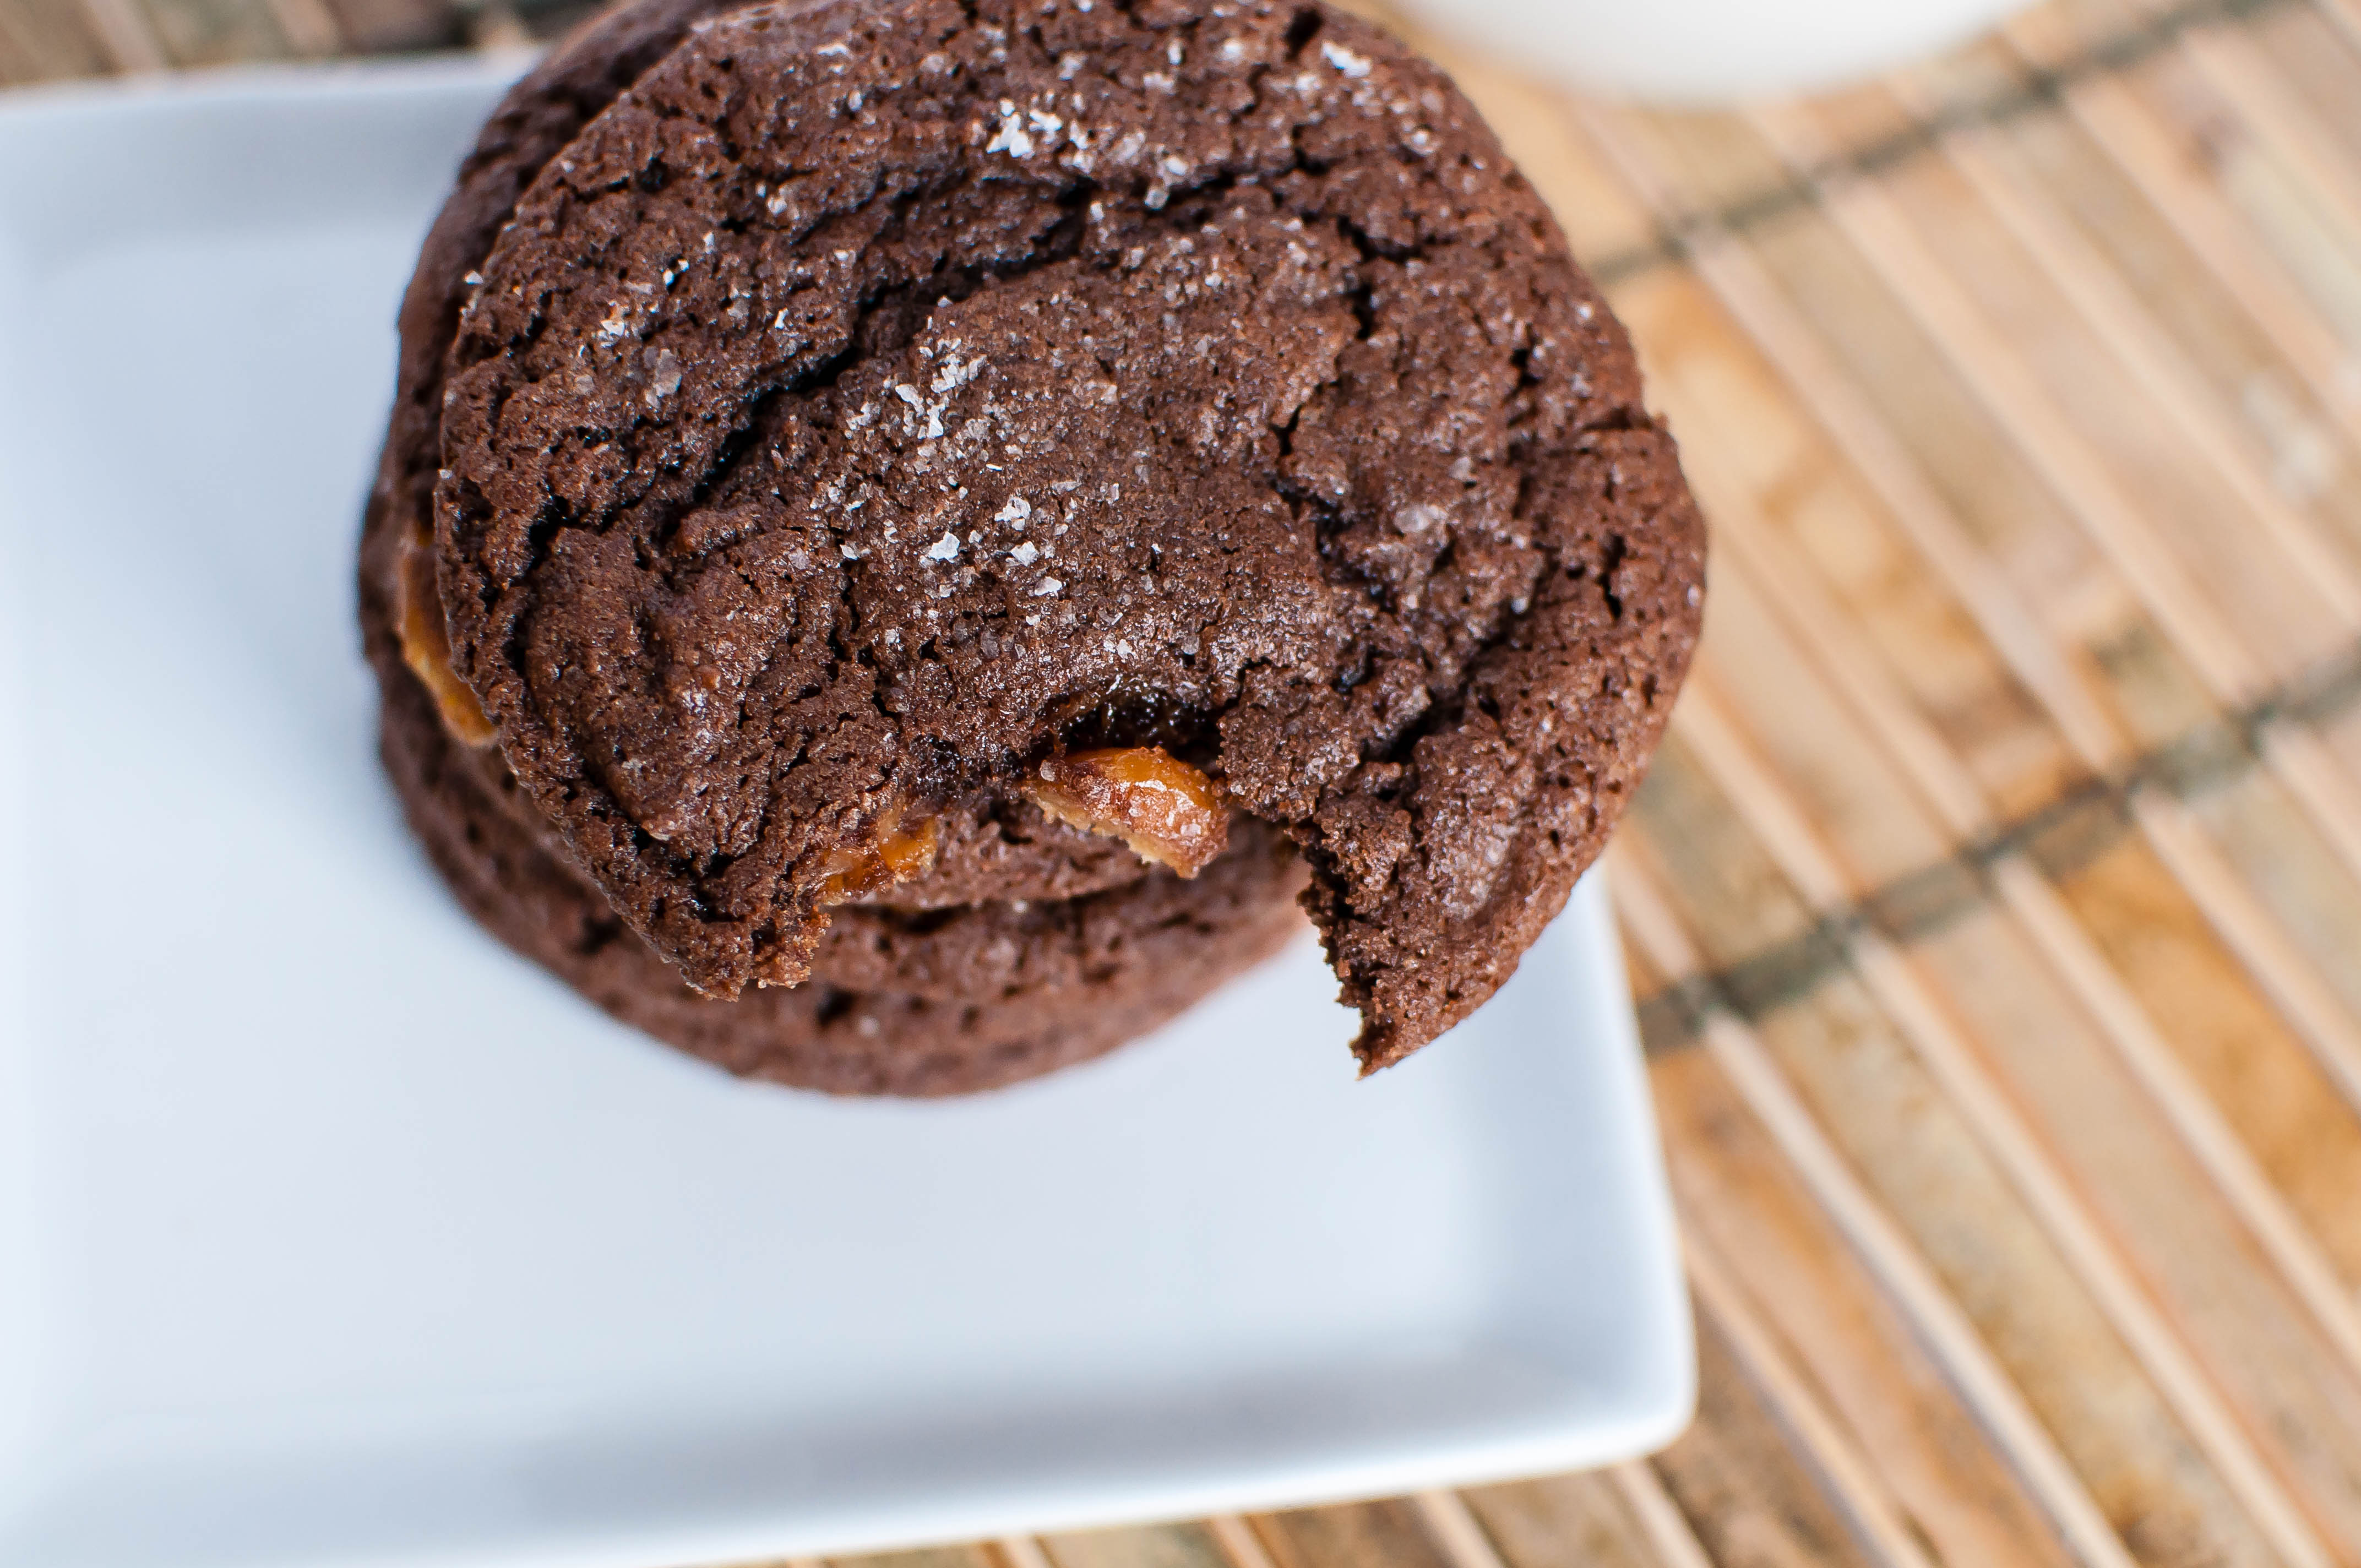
{"x": 1347, "y": 62}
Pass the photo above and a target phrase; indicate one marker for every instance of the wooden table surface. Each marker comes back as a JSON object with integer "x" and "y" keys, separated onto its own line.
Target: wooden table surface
{"x": 1996, "y": 900}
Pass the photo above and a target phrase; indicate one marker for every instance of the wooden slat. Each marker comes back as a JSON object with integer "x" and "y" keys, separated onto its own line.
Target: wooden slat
{"x": 125, "y": 32}
{"x": 1857, "y": 1346}
{"x": 1875, "y": 452}
{"x": 2313, "y": 58}
{"x": 1918, "y": 1148}
{"x": 1750, "y": 1499}
{"x": 2053, "y": 932}
{"x": 2330, "y": 796}
{"x": 927, "y": 1557}
{"x": 2176, "y": 190}
{"x": 1241, "y": 1544}
{"x": 51, "y": 44}
{"x": 2281, "y": 1512}
{"x": 2081, "y": 1239}
{"x": 1168, "y": 1546}
{"x": 311, "y": 27}
{"x": 1643, "y": 1493}
{"x": 215, "y": 32}
{"x": 2345, "y": 15}
{"x": 2046, "y": 669}
{"x": 1857, "y": 1490}
{"x": 2232, "y": 64}
{"x": 1454, "y": 1527}
{"x": 2300, "y": 995}
{"x": 2196, "y": 411}
{"x": 1382, "y": 1535}
{"x": 2068, "y": 461}
{"x": 2163, "y": 1212}
{"x": 1998, "y": 1401}
{"x": 1583, "y": 1520}
{"x": 384, "y": 26}
{"x": 2285, "y": 215}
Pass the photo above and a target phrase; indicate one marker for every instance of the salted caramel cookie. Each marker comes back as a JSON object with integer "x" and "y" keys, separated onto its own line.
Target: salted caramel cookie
{"x": 880, "y": 419}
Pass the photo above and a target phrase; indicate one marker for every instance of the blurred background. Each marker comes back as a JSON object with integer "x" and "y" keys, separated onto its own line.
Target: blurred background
{"x": 1995, "y": 905}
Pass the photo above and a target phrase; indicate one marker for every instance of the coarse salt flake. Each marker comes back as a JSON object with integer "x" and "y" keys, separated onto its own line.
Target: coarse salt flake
{"x": 1347, "y": 62}
{"x": 663, "y": 375}
{"x": 1010, "y": 138}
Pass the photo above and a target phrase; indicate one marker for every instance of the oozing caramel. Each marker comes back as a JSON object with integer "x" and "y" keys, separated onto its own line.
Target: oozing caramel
{"x": 1168, "y": 812}
{"x": 426, "y": 642}
{"x": 900, "y": 851}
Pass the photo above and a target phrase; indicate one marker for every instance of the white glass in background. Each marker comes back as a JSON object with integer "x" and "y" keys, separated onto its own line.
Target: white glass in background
{"x": 332, "y": 1234}
{"x": 1703, "y": 52}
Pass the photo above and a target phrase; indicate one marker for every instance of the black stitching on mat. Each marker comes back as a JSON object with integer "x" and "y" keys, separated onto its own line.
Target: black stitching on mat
{"x": 2061, "y": 838}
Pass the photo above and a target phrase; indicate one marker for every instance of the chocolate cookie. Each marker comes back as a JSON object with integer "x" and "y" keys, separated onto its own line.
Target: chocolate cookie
{"x": 925, "y": 998}
{"x": 878, "y": 401}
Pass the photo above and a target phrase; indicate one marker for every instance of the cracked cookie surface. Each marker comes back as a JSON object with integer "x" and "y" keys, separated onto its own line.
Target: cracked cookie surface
{"x": 992, "y": 846}
{"x": 876, "y": 399}
{"x": 1026, "y": 947}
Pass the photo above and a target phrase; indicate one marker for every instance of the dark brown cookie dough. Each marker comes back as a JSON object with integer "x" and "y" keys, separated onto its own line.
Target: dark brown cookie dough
{"x": 993, "y": 844}
{"x": 878, "y": 396}
{"x": 942, "y": 1003}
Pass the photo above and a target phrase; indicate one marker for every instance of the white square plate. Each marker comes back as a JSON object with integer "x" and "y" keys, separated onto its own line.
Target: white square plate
{"x": 332, "y": 1234}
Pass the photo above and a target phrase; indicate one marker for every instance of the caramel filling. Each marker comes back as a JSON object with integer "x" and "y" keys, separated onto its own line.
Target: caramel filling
{"x": 426, "y": 642}
{"x": 899, "y": 852}
{"x": 1168, "y": 812}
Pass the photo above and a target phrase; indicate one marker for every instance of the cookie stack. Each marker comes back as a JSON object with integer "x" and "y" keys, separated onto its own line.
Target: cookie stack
{"x": 915, "y": 535}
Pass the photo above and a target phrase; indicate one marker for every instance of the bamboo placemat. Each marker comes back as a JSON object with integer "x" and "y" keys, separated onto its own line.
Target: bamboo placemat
{"x": 1996, "y": 901}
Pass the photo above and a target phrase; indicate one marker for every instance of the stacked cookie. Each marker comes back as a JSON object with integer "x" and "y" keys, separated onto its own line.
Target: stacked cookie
{"x": 913, "y": 532}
